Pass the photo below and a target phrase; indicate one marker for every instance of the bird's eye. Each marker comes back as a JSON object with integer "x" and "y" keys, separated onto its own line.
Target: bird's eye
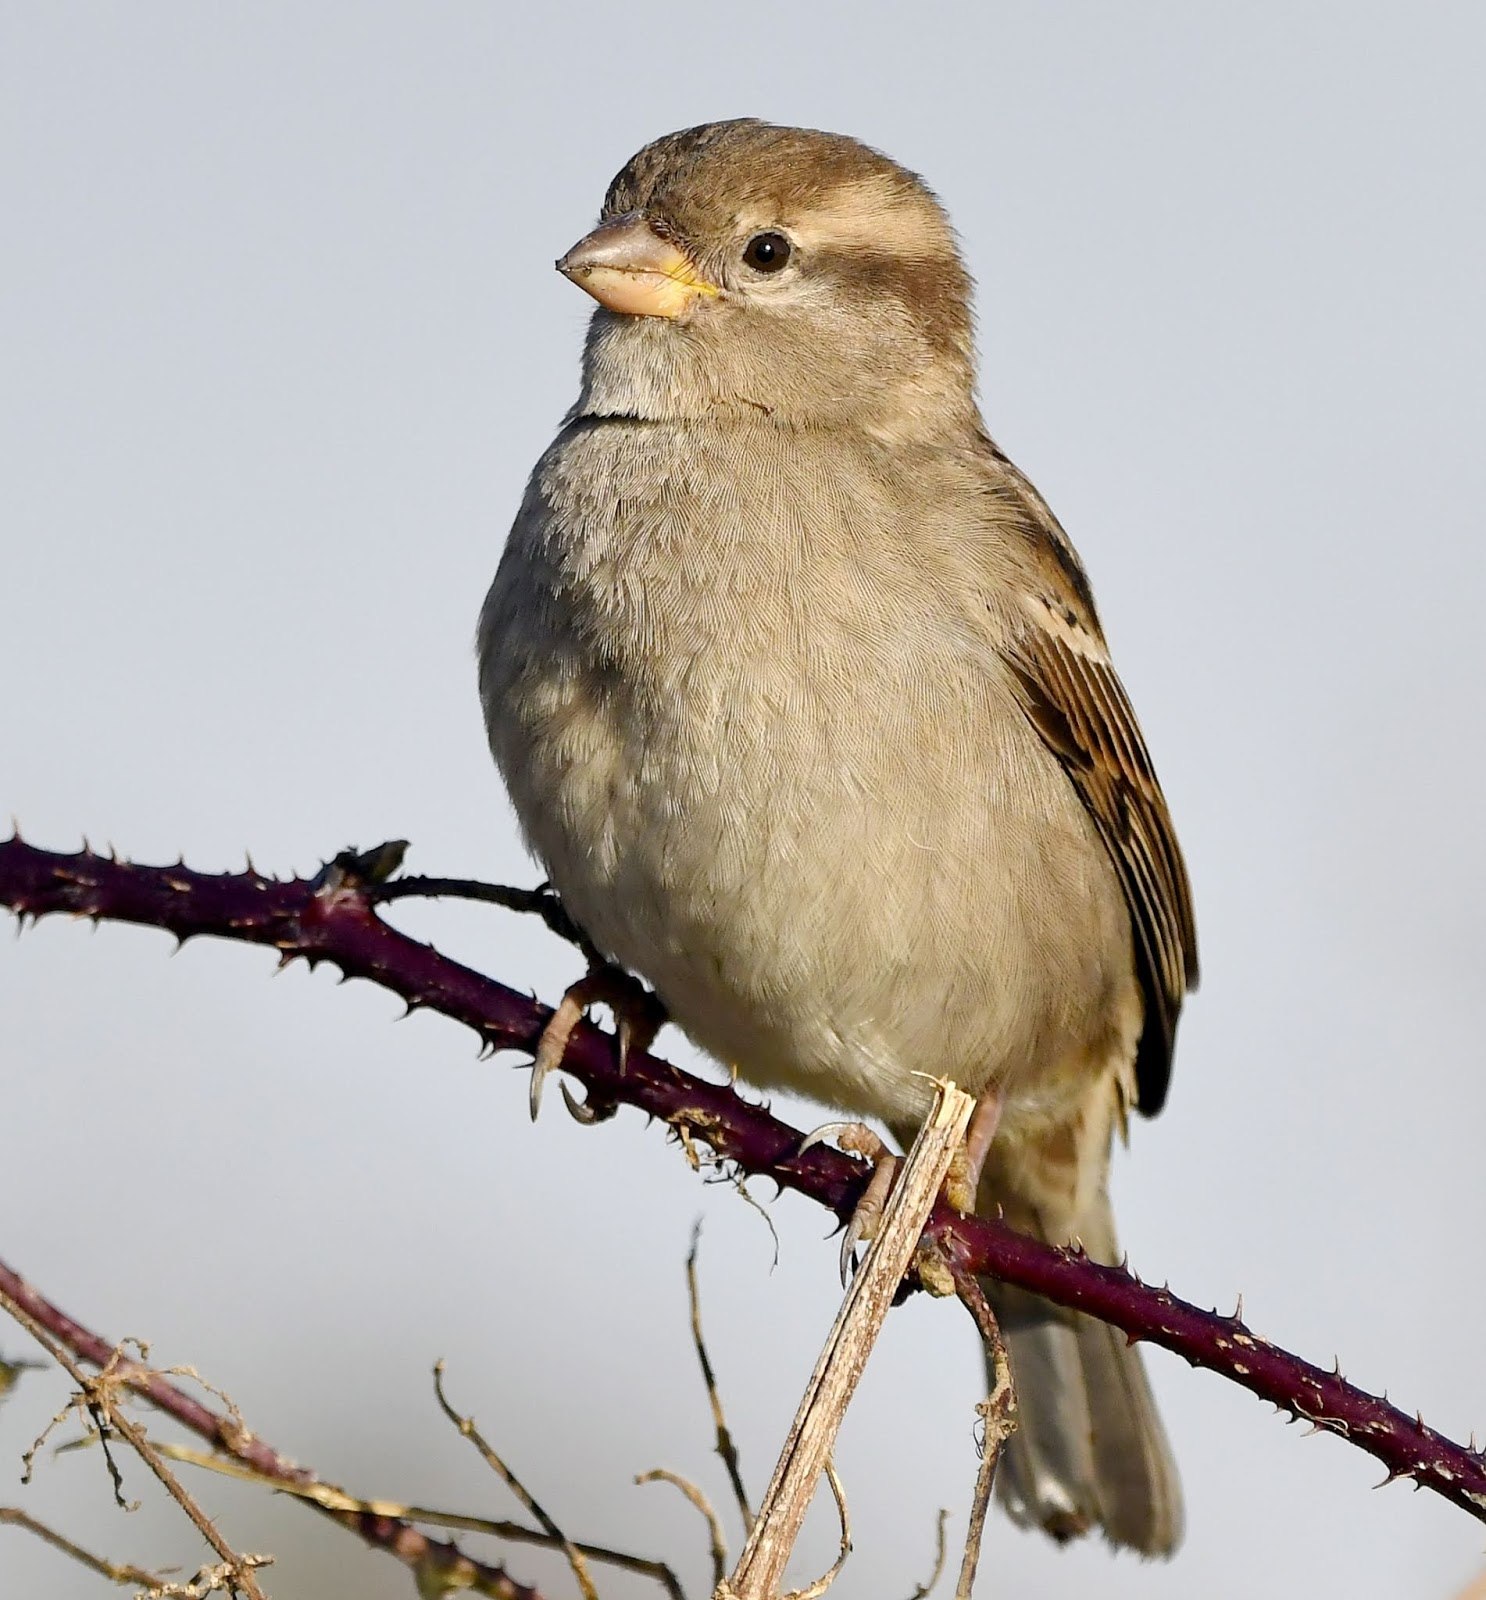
{"x": 766, "y": 252}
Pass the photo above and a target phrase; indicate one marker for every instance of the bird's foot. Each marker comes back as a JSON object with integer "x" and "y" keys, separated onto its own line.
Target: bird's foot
{"x": 963, "y": 1179}
{"x": 856, "y": 1138}
{"x": 960, "y": 1184}
{"x": 638, "y": 1015}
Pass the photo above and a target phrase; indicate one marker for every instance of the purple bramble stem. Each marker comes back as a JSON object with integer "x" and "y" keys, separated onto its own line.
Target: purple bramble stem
{"x": 332, "y": 918}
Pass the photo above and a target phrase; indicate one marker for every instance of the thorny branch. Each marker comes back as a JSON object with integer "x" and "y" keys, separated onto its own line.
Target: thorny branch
{"x": 332, "y": 918}
{"x": 384, "y": 1524}
{"x": 99, "y": 1394}
{"x": 328, "y": 1497}
{"x": 434, "y": 1562}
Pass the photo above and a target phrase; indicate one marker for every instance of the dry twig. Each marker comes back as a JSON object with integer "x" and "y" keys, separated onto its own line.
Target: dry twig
{"x": 330, "y": 1497}
{"x": 997, "y": 1414}
{"x": 99, "y": 1395}
{"x": 114, "y": 1571}
{"x": 466, "y": 1426}
{"x": 223, "y": 1578}
{"x": 717, "y": 1539}
{"x": 725, "y": 1446}
{"x": 437, "y": 1566}
{"x": 941, "y": 1550}
{"x": 811, "y": 1438}
{"x": 813, "y": 1591}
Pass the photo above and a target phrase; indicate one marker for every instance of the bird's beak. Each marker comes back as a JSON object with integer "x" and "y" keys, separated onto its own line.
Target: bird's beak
{"x": 626, "y": 265}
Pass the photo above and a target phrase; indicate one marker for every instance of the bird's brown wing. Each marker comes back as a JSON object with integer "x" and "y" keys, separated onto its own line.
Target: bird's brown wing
{"x": 1078, "y": 705}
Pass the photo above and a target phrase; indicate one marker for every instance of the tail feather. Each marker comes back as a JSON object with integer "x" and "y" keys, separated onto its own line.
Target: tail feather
{"x": 1089, "y": 1449}
{"x": 1140, "y": 1493}
{"x": 1046, "y": 1477}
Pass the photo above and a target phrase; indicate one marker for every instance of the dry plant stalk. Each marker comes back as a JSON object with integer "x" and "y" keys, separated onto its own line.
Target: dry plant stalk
{"x": 468, "y": 1430}
{"x": 808, "y": 1446}
{"x": 99, "y": 1397}
{"x": 997, "y": 1413}
{"x": 695, "y": 1498}
{"x": 114, "y": 1571}
{"x": 437, "y": 1567}
{"x": 330, "y": 1498}
{"x": 922, "y": 1590}
{"x": 726, "y": 1448}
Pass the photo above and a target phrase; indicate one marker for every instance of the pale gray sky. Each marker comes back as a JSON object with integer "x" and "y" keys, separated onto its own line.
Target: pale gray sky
{"x": 279, "y": 341}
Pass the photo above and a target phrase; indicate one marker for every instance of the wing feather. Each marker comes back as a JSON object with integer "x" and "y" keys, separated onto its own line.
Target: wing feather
{"x": 1078, "y": 705}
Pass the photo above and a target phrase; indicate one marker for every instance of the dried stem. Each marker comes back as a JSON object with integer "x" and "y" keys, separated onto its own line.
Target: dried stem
{"x": 813, "y": 1591}
{"x": 716, "y": 1538}
{"x": 941, "y": 1550}
{"x": 725, "y": 1446}
{"x": 433, "y": 1561}
{"x": 99, "y": 1394}
{"x": 466, "y": 1426}
{"x": 997, "y": 1413}
{"x": 807, "y": 1448}
{"x": 334, "y": 920}
{"x": 330, "y": 1497}
{"x": 114, "y": 1571}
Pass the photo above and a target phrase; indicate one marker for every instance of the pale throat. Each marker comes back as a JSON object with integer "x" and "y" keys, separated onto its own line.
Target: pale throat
{"x": 652, "y": 370}
{"x": 639, "y": 367}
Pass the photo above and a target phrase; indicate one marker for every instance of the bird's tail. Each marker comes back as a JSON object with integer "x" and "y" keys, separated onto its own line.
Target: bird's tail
{"x": 1089, "y": 1450}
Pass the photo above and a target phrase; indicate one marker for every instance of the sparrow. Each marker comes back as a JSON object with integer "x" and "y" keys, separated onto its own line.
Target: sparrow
{"x": 802, "y": 701}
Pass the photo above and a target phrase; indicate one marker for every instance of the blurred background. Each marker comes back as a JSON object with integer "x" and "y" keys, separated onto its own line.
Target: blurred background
{"x": 281, "y": 339}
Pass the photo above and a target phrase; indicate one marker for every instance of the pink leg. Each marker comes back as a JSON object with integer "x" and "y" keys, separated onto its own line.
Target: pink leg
{"x": 964, "y": 1173}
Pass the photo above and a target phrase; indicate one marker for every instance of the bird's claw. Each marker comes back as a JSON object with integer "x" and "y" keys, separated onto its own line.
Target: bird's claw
{"x": 639, "y": 1016}
{"x": 850, "y": 1237}
{"x": 586, "y": 1111}
{"x": 866, "y": 1216}
{"x": 553, "y": 1045}
{"x": 856, "y": 1138}
{"x": 827, "y": 1130}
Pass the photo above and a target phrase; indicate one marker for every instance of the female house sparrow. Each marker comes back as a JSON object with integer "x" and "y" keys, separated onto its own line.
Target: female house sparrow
{"x": 801, "y": 698}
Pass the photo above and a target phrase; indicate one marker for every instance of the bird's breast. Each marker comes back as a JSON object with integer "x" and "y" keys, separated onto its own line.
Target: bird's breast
{"x": 769, "y": 767}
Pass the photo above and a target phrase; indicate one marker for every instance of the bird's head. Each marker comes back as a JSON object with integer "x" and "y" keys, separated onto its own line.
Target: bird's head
{"x": 779, "y": 272}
